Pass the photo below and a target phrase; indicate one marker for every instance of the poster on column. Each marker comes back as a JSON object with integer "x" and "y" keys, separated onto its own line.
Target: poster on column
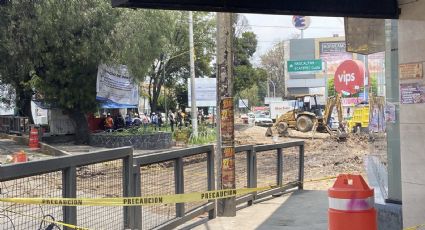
{"x": 376, "y": 119}
{"x": 412, "y": 93}
{"x": 228, "y": 168}
{"x": 410, "y": 71}
{"x": 390, "y": 112}
{"x": 227, "y": 121}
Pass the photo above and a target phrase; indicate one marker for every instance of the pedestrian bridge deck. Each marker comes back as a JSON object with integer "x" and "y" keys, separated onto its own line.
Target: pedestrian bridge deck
{"x": 301, "y": 210}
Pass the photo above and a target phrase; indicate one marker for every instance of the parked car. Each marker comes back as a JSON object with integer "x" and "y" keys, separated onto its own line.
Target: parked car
{"x": 261, "y": 119}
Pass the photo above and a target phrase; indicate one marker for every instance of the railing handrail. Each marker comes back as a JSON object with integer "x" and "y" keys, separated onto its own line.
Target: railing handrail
{"x": 243, "y": 148}
{"x": 171, "y": 155}
{"x": 17, "y": 171}
{"x": 260, "y": 148}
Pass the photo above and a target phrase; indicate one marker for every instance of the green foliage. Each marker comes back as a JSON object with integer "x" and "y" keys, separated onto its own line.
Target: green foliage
{"x": 71, "y": 42}
{"x": 251, "y": 94}
{"x": 245, "y": 75}
{"x": 140, "y": 130}
{"x": 273, "y": 63}
{"x": 17, "y": 33}
{"x": 331, "y": 87}
{"x": 156, "y": 48}
{"x": 167, "y": 101}
{"x": 205, "y": 136}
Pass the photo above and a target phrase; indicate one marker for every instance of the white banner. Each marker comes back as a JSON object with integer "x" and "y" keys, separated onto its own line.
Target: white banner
{"x": 205, "y": 92}
{"x": 116, "y": 85}
{"x": 243, "y": 104}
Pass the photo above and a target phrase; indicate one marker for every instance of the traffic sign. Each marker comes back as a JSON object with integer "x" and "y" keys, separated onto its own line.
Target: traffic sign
{"x": 305, "y": 65}
{"x": 301, "y": 22}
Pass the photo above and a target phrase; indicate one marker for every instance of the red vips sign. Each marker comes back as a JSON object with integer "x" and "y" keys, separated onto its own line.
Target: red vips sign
{"x": 349, "y": 77}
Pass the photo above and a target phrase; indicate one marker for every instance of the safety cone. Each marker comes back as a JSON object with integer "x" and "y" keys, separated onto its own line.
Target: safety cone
{"x": 20, "y": 157}
{"x": 33, "y": 142}
{"x": 351, "y": 204}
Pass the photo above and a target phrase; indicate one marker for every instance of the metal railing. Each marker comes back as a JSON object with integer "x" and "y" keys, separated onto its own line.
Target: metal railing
{"x": 14, "y": 124}
{"x": 97, "y": 174}
{"x": 115, "y": 173}
{"x": 175, "y": 172}
{"x": 269, "y": 165}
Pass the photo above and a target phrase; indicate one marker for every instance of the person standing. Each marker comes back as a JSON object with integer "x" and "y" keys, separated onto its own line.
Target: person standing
{"x": 136, "y": 120}
{"x": 128, "y": 120}
{"x": 154, "y": 120}
{"x": 119, "y": 122}
{"x": 171, "y": 119}
{"x": 109, "y": 123}
{"x": 179, "y": 119}
{"x": 160, "y": 121}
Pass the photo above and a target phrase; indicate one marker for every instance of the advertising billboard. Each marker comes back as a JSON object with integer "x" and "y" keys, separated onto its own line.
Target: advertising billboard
{"x": 333, "y": 53}
{"x": 205, "y": 92}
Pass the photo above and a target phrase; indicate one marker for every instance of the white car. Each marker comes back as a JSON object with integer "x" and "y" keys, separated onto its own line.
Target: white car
{"x": 261, "y": 119}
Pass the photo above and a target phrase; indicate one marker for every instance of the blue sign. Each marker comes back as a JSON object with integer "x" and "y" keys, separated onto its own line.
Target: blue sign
{"x": 301, "y": 22}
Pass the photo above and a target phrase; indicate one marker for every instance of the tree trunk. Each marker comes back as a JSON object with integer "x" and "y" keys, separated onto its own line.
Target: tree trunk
{"x": 23, "y": 103}
{"x": 82, "y": 134}
{"x": 154, "y": 103}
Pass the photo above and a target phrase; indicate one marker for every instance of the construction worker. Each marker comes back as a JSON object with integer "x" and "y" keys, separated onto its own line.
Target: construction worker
{"x": 109, "y": 123}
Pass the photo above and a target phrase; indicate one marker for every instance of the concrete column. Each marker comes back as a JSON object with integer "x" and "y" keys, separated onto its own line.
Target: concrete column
{"x": 393, "y": 96}
{"x": 411, "y": 37}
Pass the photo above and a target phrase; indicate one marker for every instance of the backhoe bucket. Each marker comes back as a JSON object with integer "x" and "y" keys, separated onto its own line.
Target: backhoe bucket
{"x": 269, "y": 132}
{"x": 341, "y": 134}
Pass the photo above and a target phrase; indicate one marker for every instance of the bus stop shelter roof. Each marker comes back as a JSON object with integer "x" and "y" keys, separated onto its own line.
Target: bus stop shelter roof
{"x": 338, "y": 8}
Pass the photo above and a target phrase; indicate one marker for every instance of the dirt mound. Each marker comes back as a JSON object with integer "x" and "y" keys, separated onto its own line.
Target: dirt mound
{"x": 246, "y": 135}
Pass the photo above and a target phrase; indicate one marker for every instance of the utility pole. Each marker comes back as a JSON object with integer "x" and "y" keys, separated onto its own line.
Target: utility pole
{"x": 165, "y": 96}
{"x": 192, "y": 79}
{"x": 225, "y": 114}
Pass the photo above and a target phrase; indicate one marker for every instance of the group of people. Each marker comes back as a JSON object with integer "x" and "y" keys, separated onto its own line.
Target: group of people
{"x": 175, "y": 119}
{"x": 119, "y": 122}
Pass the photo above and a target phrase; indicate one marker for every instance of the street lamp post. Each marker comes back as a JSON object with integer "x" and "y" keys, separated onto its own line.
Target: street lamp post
{"x": 274, "y": 87}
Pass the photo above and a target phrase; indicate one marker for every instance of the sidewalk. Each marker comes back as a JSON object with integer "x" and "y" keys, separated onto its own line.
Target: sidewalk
{"x": 302, "y": 210}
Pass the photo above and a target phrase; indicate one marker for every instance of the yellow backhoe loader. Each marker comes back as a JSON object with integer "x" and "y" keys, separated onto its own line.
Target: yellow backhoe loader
{"x": 307, "y": 116}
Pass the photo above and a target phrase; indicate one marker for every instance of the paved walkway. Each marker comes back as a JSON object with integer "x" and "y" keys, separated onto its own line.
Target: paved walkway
{"x": 302, "y": 210}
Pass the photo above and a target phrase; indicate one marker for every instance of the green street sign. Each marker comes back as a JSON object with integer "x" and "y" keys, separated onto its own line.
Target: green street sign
{"x": 305, "y": 65}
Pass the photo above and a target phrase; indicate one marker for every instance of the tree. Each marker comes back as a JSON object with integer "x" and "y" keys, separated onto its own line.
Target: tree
{"x": 168, "y": 50}
{"x": 73, "y": 37}
{"x": 17, "y": 32}
{"x": 273, "y": 62}
{"x": 245, "y": 75}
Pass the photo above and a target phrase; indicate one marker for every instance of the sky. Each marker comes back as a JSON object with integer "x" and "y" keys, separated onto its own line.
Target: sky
{"x": 273, "y": 28}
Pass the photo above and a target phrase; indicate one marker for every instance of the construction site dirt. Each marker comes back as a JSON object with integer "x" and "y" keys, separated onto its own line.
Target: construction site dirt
{"x": 324, "y": 156}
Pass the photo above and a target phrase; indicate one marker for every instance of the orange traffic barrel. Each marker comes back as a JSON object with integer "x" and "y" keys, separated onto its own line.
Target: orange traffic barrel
{"x": 33, "y": 142}
{"x": 351, "y": 204}
{"x": 20, "y": 157}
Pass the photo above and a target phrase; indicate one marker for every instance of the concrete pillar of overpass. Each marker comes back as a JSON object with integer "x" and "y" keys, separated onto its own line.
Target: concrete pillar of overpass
{"x": 411, "y": 47}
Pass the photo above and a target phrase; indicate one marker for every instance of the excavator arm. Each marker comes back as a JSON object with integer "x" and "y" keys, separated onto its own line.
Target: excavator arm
{"x": 334, "y": 102}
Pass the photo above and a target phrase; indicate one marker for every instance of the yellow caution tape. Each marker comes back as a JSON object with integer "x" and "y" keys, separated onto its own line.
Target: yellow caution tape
{"x": 136, "y": 201}
{"x": 147, "y": 200}
{"x": 71, "y": 226}
{"x": 416, "y": 227}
